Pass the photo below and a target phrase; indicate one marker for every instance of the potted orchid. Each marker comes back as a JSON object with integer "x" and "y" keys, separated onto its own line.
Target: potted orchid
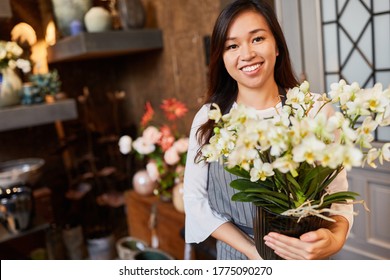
{"x": 286, "y": 162}
{"x": 160, "y": 146}
{"x": 10, "y": 83}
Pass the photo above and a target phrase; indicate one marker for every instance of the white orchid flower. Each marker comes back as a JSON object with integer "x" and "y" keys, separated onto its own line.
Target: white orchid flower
{"x": 261, "y": 171}
{"x": 215, "y": 114}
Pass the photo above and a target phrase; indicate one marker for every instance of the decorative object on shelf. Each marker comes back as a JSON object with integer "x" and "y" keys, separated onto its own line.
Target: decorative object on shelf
{"x": 67, "y": 11}
{"x": 98, "y": 19}
{"x": 177, "y": 197}
{"x": 143, "y": 184}
{"x": 132, "y": 14}
{"x": 31, "y": 94}
{"x": 47, "y": 84}
{"x": 10, "y": 83}
{"x": 162, "y": 148}
{"x": 127, "y": 247}
{"x": 285, "y": 163}
{"x": 16, "y": 199}
{"x": 16, "y": 207}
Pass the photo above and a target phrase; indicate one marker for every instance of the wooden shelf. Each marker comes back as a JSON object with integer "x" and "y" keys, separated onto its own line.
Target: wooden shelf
{"x": 37, "y": 114}
{"x": 104, "y": 44}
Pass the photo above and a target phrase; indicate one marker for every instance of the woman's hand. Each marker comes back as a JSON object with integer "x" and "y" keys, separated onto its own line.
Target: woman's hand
{"x": 319, "y": 244}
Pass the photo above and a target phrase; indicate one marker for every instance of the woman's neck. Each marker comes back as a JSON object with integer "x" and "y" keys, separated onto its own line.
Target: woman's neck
{"x": 259, "y": 98}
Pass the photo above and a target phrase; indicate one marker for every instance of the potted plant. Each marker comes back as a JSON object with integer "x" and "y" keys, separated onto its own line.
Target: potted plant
{"x": 286, "y": 162}
{"x": 47, "y": 85}
{"x": 160, "y": 147}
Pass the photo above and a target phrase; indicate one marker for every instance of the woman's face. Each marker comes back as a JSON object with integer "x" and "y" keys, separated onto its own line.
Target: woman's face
{"x": 250, "y": 51}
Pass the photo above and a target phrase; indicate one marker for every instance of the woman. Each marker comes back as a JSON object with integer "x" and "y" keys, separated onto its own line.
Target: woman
{"x": 249, "y": 64}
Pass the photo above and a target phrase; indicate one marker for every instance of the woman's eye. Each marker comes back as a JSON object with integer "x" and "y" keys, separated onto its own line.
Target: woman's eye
{"x": 231, "y": 47}
{"x": 258, "y": 39}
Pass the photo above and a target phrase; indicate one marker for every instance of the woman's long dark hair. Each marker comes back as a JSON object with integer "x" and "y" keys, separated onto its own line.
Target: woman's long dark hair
{"x": 222, "y": 88}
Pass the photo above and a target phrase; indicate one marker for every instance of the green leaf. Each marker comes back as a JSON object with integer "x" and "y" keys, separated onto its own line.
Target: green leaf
{"x": 238, "y": 171}
{"x": 243, "y": 184}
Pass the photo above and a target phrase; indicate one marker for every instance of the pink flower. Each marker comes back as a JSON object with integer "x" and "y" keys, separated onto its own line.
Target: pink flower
{"x": 151, "y": 135}
{"x": 152, "y": 170}
{"x": 167, "y": 139}
{"x": 181, "y": 145}
{"x": 171, "y": 156}
{"x": 143, "y": 147}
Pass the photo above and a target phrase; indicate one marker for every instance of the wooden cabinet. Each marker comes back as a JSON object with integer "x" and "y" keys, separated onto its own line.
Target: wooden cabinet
{"x": 169, "y": 223}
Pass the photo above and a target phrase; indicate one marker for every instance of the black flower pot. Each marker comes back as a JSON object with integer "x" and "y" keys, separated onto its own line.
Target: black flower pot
{"x": 266, "y": 221}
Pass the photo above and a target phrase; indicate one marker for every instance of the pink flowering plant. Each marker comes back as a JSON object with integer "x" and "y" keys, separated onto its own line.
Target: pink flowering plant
{"x": 160, "y": 145}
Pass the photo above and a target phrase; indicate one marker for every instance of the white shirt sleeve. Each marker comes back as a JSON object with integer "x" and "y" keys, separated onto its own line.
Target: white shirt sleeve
{"x": 200, "y": 220}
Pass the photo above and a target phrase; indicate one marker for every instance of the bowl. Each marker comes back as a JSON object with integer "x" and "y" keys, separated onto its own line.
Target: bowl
{"x": 25, "y": 170}
{"x": 152, "y": 254}
{"x": 127, "y": 247}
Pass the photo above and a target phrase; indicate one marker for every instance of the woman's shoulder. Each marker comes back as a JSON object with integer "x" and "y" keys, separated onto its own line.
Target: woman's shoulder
{"x": 201, "y": 115}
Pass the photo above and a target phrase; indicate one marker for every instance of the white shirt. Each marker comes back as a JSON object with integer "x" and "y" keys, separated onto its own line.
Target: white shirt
{"x": 200, "y": 219}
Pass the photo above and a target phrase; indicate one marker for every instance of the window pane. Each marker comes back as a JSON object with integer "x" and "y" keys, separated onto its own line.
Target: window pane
{"x": 330, "y": 42}
{"x": 382, "y": 41}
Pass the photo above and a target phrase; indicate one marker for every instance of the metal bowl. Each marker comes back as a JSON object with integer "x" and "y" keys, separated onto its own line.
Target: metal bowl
{"x": 26, "y": 171}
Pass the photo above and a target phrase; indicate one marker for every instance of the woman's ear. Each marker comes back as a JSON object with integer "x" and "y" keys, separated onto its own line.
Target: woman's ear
{"x": 277, "y": 51}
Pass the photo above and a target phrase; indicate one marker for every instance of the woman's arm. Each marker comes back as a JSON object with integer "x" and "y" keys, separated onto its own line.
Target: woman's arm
{"x": 234, "y": 237}
{"x": 200, "y": 219}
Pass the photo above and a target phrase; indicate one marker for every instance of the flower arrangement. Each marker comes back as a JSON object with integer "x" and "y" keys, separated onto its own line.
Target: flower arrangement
{"x": 286, "y": 162}
{"x": 161, "y": 146}
{"x": 10, "y": 57}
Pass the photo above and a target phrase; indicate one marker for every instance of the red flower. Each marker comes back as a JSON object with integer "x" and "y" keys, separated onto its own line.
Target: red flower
{"x": 167, "y": 139}
{"x": 173, "y": 109}
{"x": 148, "y": 115}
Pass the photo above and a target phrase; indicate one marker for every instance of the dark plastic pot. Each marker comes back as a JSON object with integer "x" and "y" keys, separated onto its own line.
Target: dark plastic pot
{"x": 265, "y": 222}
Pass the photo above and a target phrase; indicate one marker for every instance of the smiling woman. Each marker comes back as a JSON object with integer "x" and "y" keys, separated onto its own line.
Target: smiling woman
{"x": 249, "y": 65}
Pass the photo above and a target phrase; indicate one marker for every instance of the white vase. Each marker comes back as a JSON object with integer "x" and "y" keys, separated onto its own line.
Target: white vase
{"x": 142, "y": 183}
{"x": 98, "y": 19}
{"x": 177, "y": 197}
{"x": 10, "y": 88}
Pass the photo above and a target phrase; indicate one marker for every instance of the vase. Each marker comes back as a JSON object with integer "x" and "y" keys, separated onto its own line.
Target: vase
{"x": 10, "y": 88}
{"x": 143, "y": 184}
{"x": 131, "y": 13}
{"x": 68, "y": 11}
{"x": 177, "y": 197}
{"x": 265, "y": 221}
{"x": 98, "y": 19}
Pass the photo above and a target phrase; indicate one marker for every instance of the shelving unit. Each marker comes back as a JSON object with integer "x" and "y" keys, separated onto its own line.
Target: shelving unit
{"x": 22, "y": 116}
{"x": 104, "y": 44}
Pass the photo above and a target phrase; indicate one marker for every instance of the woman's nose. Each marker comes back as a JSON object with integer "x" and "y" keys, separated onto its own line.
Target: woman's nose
{"x": 247, "y": 52}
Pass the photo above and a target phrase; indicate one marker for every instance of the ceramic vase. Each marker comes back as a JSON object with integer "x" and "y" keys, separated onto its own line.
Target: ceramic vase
{"x": 10, "y": 88}
{"x": 98, "y": 19}
{"x": 142, "y": 183}
{"x": 177, "y": 197}
{"x": 132, "y": 14}
{"x": 68, "y": 11}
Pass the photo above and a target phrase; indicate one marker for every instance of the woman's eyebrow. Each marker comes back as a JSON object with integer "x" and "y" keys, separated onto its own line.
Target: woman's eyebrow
{"x": 250, "y": 32}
